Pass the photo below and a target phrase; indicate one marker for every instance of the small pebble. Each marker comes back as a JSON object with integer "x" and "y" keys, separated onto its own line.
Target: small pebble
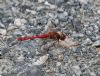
{"x": 11, "y": 27}
{"x": 2, "y": 25}
{"x": 63, "y": 17}
{"x": 58, "y": 64}
{"x": 86, "y": 25}
{"x": 77, "y": 70}
{"x": 17, "y": 32}
{"x": 83, "y": 1}
{"x": 60, "y": 57}
{"x": 3, "y": 31}
{"x": 92, "y": 74}
{"x": 31, "y": 71}
{"x": 42, "y": 60}
{"x": 40, "y": 1}
{"x": 53, "y": 7}
{"x": 56, "y": 2}
{"x": 19, "y": 22}
{"x": 20, "y": 58}
{"x": 96, "y": 43}
{"x": 48, "y": 71}
{"x": 98, "y": 11}
{"x": 87, "y": 41}
{"x": 97, "y": 37}
{"x": 31, "y": 11}
{"x": 77, "y": 35}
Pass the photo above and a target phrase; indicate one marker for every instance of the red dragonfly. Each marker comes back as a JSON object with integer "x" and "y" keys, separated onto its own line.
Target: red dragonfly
{"x": 50, "y": 35}
{"x": 63, "y": 40}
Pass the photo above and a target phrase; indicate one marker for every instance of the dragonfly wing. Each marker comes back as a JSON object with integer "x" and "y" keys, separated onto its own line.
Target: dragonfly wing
{"x": 68, "y": 42}
{"x": 50, "y": 27}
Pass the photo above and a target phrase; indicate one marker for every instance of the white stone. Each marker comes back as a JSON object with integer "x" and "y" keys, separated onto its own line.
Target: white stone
{"x": 77, "y": 70}
{"x": 53, "y": 6}
{"x": 92, "y": 74}
{"x": 42, "y": 60}
{"x": 87, "y": 41}
{"x": 83, "y": 1}
{"x": 33, "y": 12}
{"x": 27, "y": 10}
{"x": 58, "y": 63}
{"x": 11, "y": 27}
{"x": 96, "y": 43}
{"x": 3, "y": 31}
{"x": 77, "y": 35}
{"x": 2, "y": 25}
{"x": 98, "y": 22}
{"x": 23, "y": 21}
{"x": 50, "y": 14}
{"x": 97, "y": 37}
{"x": 86, "y": 25}
{"x": 65, "y": 13}
{"x": 48, "y": 70}
{"x": 40, "y": 8}
{"x": 17, "y": 22}
{"x": 46, "y": 3}
{"x": 40, "y": 1}
{"x": 98, "y": 11}
{"x": 20, "y": 58}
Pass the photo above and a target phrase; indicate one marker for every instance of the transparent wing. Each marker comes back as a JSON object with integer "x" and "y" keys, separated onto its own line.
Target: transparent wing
{"x": 68, "y": 43}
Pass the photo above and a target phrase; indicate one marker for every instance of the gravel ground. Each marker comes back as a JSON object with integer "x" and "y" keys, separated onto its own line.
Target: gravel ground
{"x": 80, "y": 19}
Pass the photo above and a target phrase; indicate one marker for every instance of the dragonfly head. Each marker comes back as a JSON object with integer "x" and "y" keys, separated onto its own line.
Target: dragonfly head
{"x": 62, "y": 36}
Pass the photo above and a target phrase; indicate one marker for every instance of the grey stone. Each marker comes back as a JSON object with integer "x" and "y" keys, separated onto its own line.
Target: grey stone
{"x": 77, "y": 70}
{"x": 87, "y": 41}
{"x": 57, "y": 2}
{"x": 4, "y": 50}
{"x": 2, "y": 25}
{"x": 34, "y": 71}
{"x": 96, "y": 43}
{"x": 3, "y": 32}
{"x": 79, "y": 35}
{"x": 63, "y": 17}
{"x": 17, "y": 32}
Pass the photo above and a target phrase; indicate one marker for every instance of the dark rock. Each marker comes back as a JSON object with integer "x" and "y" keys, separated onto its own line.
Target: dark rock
{"x": 24, "y": 7}
{"x": 57, "y": 2}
